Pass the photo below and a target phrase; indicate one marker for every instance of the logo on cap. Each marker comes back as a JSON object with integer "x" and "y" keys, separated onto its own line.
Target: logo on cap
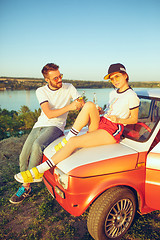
{"x": 123, "y": 69}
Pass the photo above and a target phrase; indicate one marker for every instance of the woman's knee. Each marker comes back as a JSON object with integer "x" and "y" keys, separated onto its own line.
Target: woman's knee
{"x": 90, "y": 106}
{"x": 72, "y": 143}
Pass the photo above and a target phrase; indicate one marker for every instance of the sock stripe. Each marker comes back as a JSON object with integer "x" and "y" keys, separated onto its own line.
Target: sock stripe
{"x": 75, "y": 132}
{"x": 50, "y": 164}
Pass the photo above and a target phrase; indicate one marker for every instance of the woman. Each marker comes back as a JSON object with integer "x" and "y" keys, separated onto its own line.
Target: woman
{"x": 122, "y": 110}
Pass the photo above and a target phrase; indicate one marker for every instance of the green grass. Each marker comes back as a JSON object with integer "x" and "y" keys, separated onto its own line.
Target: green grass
{"x": 40, "y": 217}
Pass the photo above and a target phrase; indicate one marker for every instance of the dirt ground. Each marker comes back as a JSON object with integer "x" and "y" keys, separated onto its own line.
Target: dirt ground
{"x": 10, "y": 149}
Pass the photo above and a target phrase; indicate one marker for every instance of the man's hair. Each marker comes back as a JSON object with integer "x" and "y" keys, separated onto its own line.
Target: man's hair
{"x": 49, "y": 67}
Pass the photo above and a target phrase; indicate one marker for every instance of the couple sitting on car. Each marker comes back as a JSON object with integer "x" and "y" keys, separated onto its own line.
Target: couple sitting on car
{"x": 107, "y": 129}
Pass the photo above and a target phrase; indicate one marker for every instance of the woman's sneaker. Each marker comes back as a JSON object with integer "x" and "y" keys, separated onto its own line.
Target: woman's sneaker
{"x": 20, "y": 195}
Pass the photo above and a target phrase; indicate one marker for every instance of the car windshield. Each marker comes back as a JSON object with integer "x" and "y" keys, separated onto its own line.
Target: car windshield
{"x": 148, "y": 117}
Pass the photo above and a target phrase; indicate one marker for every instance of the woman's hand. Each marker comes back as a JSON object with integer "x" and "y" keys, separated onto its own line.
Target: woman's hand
{"x": 101, "y": 111}
{"x": 132, "y": 119}
{"x": 113, "y": 119}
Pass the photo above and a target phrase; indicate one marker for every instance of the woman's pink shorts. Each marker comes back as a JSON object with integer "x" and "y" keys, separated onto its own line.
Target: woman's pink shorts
{"x": 114, "y": 129}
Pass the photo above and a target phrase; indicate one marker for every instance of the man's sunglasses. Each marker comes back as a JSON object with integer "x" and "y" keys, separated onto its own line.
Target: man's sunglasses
{"x": 57, "y": 78}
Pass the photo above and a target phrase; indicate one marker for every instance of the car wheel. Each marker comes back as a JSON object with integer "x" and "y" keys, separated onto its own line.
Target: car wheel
{"x": 111, "y": 214}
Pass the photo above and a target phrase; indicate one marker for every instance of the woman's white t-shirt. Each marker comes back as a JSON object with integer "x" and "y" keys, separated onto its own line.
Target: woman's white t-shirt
{"x": 120, "y": 103}
{"x": 57, "y": 99}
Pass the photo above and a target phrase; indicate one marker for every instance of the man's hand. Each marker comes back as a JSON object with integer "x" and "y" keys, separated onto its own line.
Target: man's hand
{"x": 76, "y": 105}
{"x": 81, "y": 100}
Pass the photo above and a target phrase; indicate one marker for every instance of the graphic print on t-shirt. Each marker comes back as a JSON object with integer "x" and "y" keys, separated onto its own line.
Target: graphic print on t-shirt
{"x": 109, "y": 108}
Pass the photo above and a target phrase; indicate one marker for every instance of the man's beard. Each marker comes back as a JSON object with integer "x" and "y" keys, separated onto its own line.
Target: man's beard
{"x": 56, "y": 86}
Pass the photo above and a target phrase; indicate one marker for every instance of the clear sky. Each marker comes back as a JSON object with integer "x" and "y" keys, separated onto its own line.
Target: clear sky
{"x": 82, "y": 36}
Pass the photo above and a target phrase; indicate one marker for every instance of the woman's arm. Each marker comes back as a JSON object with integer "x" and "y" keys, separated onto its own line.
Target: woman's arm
{"x": 133, "y": 118}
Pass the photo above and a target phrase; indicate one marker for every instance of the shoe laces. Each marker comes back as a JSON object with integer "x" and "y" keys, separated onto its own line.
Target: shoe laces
{"x": 21, "y": 191}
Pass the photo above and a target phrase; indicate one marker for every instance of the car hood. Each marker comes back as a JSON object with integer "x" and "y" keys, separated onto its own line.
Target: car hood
{"x": 99, "y": 160}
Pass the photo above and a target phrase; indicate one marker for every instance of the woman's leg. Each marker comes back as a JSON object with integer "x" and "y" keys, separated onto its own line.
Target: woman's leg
{"x": 88, "y": 115}
{"x": 91, "y": 139}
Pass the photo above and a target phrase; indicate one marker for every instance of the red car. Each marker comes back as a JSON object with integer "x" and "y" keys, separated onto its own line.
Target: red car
{"x": 115, "y": 180}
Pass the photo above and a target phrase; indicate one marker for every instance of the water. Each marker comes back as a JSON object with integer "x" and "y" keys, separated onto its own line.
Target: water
{"x": 13, "y": 100}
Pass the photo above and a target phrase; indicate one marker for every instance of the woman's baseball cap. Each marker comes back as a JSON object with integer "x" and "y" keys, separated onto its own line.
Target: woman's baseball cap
{"x": 117, "y": 67}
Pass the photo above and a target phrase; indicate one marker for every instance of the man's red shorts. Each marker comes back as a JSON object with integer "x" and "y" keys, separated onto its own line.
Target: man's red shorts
{"x": 114, "y": 129}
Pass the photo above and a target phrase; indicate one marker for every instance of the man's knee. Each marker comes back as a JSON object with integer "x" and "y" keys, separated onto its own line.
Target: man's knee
{"x": 37, "y": 146}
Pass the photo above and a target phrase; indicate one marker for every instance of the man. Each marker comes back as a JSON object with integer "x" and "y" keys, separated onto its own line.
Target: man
{"x": 54, "y": 99}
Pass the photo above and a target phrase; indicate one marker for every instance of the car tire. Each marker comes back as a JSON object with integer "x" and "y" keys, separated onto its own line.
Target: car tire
{"x": 111, "y": 214}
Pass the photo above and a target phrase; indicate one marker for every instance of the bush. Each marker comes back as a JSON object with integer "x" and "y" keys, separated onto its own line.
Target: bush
{"x": 14, "y": 123}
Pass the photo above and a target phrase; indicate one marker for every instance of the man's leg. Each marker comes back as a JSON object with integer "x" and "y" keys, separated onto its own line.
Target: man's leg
{"x": 46, "y": 136}
{"x": 27, "y": 149}
{"x": 31, "y": 154}
{"x": 25, "y": 190}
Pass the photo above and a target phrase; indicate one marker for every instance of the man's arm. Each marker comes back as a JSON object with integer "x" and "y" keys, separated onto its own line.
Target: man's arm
{"x": 53, "y": 113}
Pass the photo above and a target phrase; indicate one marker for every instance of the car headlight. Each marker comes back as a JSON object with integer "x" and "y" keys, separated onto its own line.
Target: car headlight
{"x": 61, "y": 178}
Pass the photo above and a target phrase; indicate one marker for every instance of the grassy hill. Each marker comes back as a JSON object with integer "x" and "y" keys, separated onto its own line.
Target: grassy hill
{"x": 40, "y": 217}
{"x": 33, "y": 83}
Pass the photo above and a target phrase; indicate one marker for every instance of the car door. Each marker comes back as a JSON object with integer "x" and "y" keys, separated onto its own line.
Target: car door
{"x": 152, "y": 184}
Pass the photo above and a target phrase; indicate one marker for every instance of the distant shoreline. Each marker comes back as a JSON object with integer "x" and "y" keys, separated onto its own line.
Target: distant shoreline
{"x": 9, "y": 83}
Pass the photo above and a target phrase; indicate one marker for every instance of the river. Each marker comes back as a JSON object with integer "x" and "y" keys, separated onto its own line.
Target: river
{"x": 13, "y": 100}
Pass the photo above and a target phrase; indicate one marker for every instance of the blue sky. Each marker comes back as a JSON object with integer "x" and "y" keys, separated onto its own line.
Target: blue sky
{"x": 82, "y": 36}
